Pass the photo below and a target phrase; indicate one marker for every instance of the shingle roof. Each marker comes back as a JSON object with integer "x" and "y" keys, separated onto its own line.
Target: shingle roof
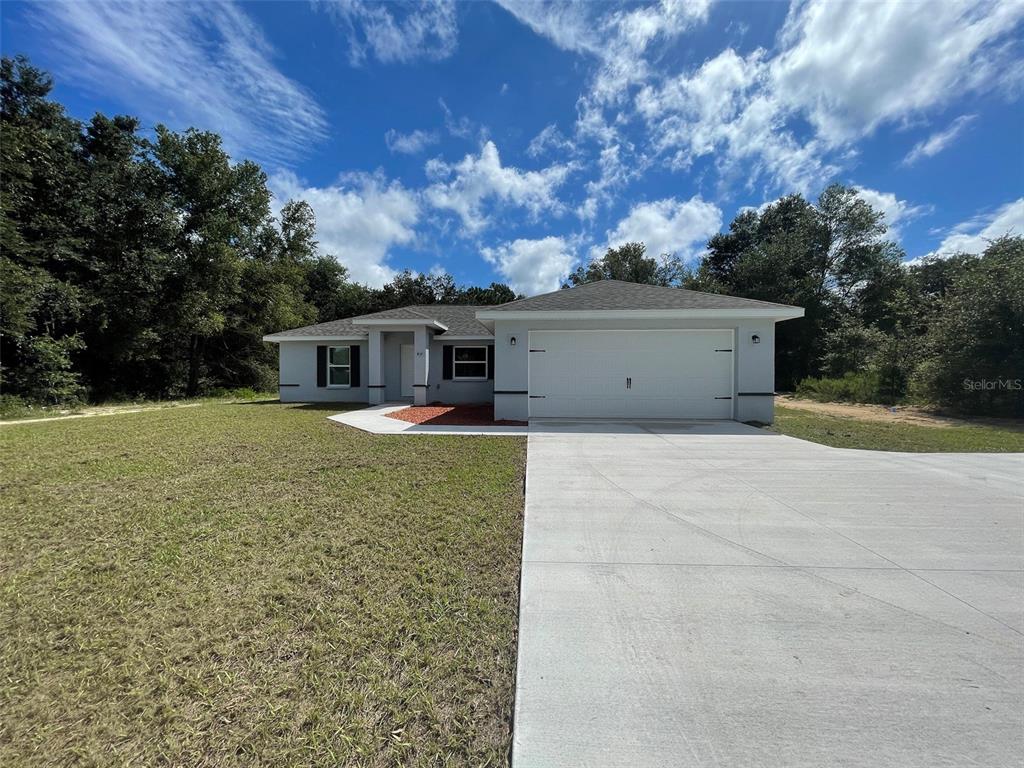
{"x": 339, "y": 328}
{"x": 619, "y": 295}
{"x": 459, "y": 318}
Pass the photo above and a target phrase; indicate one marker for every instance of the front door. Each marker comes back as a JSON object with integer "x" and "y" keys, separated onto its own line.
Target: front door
{"x": 407, "y": 369}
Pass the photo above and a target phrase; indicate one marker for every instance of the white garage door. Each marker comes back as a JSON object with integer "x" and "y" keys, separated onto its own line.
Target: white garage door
{"x": 632, "y": 374}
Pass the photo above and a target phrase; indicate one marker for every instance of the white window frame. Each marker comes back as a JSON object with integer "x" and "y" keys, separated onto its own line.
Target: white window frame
{"x": 486, "y": 362}
{"x": 335, "y": 365}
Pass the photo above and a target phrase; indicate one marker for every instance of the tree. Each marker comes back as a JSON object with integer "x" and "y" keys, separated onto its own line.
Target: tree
{"x": 223, "y": 210}
{"x": 495, "y": 293}
{"x": 974, "y": 350}
{"x": 831, "y": 258}
{"x": 125, "y": 234}
{"x": 630, "y": 263}
{"x": 40, "y": 253}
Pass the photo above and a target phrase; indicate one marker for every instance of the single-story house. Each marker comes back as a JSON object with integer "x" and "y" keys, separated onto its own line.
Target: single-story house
{"x": 602, "y": 349}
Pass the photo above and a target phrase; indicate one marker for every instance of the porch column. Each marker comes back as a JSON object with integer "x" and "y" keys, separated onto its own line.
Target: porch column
{"x": 421, "y": 366}
{"x": 375, "y": 372}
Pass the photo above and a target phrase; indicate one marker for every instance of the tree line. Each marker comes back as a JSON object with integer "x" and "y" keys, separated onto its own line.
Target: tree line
{"x": 151, "y": 267}
{"x": 135, "y": 266}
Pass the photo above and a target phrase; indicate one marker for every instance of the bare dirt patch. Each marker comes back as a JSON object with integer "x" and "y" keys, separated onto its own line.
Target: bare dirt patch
{"x": 898, "y": 414}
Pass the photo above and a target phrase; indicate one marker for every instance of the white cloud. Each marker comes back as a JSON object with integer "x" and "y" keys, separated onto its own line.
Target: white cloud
{"x": 674, "y": 226}
{"x": 721, "y": 110}
{"x": 461, "y": 127}
{"x": 358, "y": 219}
{"x": 791, "y": 116}
{"x": 617, "y": 36}
{"x": 410, "y": 143}
{"x": 549, "y": 139}
{"x": 846, "y": 68}
{"x": 466, "y": 186}
{"x": 849, "y": 67}
{"x": 569, "y": 25}
{"x": 974, "y": 235}
{"x": 620, "y": 40}
{"x": 396, "y": 32}
{"x": 203, "y": 65}
{"x": 532, "y": 266}
{"x": 938, "y": 141}
{"x": 894, "y": 211}
{"x": 615, "y": 173}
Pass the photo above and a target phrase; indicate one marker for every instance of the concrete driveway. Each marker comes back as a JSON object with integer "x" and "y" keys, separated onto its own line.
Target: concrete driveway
{"x": 715, "y": 595}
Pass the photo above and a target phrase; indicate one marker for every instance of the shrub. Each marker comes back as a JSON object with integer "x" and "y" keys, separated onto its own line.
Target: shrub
{"x": 14, "y": 407}
{"x": 854, "y": 387}
{"x": 239, "y": 393}
{"x": 975, "y": 348}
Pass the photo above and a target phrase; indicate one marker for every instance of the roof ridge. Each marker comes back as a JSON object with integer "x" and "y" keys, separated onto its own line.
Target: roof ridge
{"x": 630, "y": 288}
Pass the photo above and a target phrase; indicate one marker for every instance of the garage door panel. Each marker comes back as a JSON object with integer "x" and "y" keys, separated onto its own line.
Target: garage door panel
{"x": 673, "y": 374}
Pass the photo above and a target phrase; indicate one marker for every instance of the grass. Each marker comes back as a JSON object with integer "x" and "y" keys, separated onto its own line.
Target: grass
{"x": 850, "y": 432}
{"x": 15, "y": 409}
{"x": 250, "y": 584}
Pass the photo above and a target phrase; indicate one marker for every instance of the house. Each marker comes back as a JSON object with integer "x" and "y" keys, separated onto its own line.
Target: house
{"x": 603, "y": 349}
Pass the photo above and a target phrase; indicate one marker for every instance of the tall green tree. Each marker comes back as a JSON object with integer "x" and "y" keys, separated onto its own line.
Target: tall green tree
{"x": 495, "y": 293}
{"x": 831, "y": 258}
{"x": 630, "y": 263}
{"x": 126, "y": 234}
{"x": 40, "y": 249}
{"x": 223, "y": 209}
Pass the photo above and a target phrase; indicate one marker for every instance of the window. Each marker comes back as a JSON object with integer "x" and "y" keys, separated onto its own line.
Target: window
{"x": 339, "y": 367}
{"x": 469, "y": 363}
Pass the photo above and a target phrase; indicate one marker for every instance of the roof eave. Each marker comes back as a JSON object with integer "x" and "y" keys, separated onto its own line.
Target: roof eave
{"x": 437, "y": 325}
{"x": 275, "y": 338}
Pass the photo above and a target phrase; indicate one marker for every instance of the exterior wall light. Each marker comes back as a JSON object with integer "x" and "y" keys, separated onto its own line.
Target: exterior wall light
{"x": 756, "y": 339}
{"x": 512, "y": 340}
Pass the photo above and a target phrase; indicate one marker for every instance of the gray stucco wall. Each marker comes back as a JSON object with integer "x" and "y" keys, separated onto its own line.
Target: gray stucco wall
{"x": 297, "y": 374}
{"x": 754, "y": 363}
{"x": 297, "y": 360}
{"x": 452, "y": 391}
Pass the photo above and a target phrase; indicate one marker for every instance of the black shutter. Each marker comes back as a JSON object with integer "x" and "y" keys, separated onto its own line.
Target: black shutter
{"x": 321, "y": 366}
{"x": 446, "y": 360}
{"x": 353, "y": 361}
{"x": 490, "y": 361}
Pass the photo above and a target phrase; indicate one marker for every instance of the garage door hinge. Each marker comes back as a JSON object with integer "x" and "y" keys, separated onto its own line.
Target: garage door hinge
{"x": 537, "y": 397}
{"x": 538, "y": 350}
{"x": 723, "y": 398}
{"x": 723, "y": 350}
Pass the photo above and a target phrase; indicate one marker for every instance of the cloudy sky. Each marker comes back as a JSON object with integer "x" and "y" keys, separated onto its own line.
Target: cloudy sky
{"x": 510, "y": 141}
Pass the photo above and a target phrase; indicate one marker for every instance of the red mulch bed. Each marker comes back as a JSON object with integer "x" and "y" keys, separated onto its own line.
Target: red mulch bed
{"x": 453, "y": 416}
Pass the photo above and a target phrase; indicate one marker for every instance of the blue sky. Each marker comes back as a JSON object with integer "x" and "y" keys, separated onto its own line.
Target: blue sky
{"x": 510, "y": 141}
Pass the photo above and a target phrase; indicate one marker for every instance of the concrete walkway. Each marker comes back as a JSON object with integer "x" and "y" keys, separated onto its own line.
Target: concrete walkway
{"x": 375, "y": 419}
{"x": 715, "y": 595}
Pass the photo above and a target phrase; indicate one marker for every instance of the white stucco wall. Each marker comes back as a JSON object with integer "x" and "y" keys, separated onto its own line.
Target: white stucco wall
{"x": 297, "y": 374}
{"x": 754, "y": 363}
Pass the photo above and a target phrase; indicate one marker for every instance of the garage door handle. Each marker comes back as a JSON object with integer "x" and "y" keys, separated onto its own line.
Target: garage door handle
{"x": 629, "y": 383}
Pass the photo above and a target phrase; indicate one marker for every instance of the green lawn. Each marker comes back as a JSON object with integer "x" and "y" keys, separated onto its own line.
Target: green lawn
{"x": 250, "y": 584}
{"x": 848, "y": 432}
